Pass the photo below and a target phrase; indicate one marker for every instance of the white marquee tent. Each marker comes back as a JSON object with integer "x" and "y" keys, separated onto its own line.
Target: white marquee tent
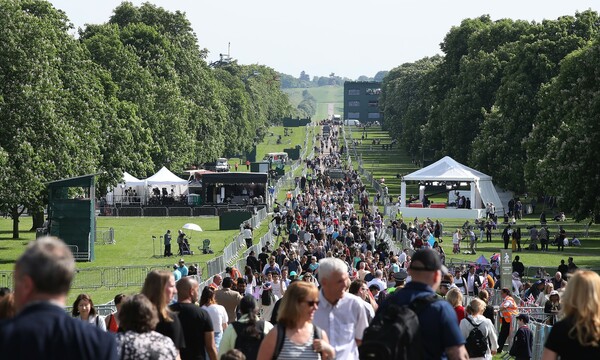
{"x": 450, "y": 170}
{"x": 117, "y": 195}
{"x": 165, "y": 177}
{"x": 130, "y": 180}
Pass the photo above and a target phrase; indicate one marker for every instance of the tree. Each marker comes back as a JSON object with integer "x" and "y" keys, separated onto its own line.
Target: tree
{"x": 562, "y": 149}
{"x": 52, "y": 103}
{"x": 304, "y": 76}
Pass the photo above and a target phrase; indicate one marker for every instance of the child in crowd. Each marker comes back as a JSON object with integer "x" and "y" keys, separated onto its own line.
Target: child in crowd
{"x": 523, "y": 342}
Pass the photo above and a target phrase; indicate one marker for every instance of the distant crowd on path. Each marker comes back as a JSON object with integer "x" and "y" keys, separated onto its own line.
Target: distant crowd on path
{"x": 331, "y": 289}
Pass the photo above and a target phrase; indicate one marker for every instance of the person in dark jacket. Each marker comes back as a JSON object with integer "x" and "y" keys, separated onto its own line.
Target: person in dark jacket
{"x": 522, "y": 347}
{"x": 42, "y": 329}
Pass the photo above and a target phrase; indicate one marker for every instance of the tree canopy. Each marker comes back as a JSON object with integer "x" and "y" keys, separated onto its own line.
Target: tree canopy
{"x": 133, "y": 94}
{"x": 514, "y": 99}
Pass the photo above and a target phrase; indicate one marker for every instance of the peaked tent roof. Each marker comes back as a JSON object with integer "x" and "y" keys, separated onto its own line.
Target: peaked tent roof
{"x": 165, "y": 177}
{"x": 131, "y": 180}
{"x": 447, "y": 169}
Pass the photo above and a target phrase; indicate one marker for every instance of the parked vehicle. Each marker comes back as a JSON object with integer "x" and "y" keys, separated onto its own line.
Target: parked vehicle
{"x": 351, "y": 122}
{"x": 221, "y": 165}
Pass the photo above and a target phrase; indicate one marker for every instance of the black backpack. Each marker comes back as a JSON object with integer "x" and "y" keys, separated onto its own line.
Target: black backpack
{"x": 245, "y": 342}
{"x": 477, "y": 343}
{"x": 394, "y": 333}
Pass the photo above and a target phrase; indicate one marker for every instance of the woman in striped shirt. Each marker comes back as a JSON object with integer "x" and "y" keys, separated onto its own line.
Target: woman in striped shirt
{"x": 295, "y": 336}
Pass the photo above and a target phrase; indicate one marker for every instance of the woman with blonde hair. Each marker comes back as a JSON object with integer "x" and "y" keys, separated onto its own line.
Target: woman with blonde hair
{"x": 577, "y": 335}
{"x": 476, "y": 319}
{"x": 455, "y": 298}
{"x": 295, "y": 336}
{"x": 159, "y": 288}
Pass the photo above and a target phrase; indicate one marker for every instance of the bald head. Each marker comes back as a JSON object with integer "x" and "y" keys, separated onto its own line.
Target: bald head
{"x": 187, "y": 289}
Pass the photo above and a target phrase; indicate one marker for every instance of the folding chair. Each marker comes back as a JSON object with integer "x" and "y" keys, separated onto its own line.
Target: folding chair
{"x": 205, "y": 248}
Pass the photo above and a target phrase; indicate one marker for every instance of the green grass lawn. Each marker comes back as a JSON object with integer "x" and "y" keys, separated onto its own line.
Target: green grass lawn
{"x": 134, "y": 245}
{"x": 296, "y": 137}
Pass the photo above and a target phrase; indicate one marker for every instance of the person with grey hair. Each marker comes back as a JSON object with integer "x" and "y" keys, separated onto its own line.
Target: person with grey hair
{"x": 42, "y": 329}
{"x": 340, "y": 314}
{"x": 378, "y": 280}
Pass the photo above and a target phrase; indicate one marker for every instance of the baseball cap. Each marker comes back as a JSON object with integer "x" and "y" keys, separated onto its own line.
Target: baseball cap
{"x": 523, "y": 317}
{"x": 553, "y": 292}
{"x": 293, "y": 273}
{"x": 400, "y": 275}
{"x": 181, "y": 260}
{"x": 427, "y": 260}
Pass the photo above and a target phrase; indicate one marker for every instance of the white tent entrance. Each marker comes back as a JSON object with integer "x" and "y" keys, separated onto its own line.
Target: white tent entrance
{"x": 451, "y": 174}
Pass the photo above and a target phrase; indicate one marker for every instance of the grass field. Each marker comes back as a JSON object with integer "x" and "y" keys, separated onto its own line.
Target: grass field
{"x": 324, "y": 95}
{"x": 134, "y": 245}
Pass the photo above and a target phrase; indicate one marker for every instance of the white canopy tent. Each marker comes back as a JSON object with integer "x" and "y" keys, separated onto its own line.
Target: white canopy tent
{"x": 445, "y": 170}
{"x": 165, "y": 178}
{"x": 128, "y": 182}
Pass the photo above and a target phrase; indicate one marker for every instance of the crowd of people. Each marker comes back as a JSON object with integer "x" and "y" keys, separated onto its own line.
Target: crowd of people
{"x": 331, "y": 289}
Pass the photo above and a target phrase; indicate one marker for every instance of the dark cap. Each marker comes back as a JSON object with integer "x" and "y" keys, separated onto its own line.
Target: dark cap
{"x": 427, "y": 260}
{"x": 400, "y": 275}
{"x": 523, "y": 317}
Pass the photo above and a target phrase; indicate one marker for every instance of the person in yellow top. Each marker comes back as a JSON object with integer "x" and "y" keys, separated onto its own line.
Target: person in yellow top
{"x": 508, "y": 309}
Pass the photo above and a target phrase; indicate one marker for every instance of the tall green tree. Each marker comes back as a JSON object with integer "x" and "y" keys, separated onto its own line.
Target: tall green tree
{"x": 51, "y": 105}
{"x": 563, "y": 147}
{"x": 532, "y": 61}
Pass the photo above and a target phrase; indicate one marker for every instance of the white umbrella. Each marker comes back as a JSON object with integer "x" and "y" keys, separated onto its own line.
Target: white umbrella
{"x": 192, "y": 226}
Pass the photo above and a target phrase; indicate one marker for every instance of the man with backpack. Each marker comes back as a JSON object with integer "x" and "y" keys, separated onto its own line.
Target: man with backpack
{"x": 479, "y": 332}
{"x": 413, "y": 323}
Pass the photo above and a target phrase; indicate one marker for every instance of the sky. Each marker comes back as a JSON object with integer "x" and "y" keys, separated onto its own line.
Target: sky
{"x": 347, "y": 37}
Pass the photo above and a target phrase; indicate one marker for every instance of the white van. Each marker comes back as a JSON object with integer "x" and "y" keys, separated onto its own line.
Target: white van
{"x": 276, "y": 157}
{"x": 351, "y": 122}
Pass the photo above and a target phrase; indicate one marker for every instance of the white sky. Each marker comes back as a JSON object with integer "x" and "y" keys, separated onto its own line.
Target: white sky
{"x": 318, "y": 36}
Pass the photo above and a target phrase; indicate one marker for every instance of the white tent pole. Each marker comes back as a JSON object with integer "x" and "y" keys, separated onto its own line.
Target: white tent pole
{"x": 403, "y": 194}
{"x": 474, "y": 204}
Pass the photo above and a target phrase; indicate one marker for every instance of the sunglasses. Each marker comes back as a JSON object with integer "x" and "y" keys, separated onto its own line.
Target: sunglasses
{"x": 312, "y": 303}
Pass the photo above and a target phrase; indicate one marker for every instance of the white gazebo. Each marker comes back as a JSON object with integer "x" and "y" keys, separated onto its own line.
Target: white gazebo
{"x": 449, "y": 172}
{"x": 163, "y": 179}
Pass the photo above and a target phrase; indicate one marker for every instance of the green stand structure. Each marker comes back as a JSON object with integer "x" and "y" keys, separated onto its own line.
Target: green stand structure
{"x": 72, "y": 214}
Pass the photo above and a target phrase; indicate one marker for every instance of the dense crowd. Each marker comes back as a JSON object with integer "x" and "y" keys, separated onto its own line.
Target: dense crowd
{"x": 333, "y": 288}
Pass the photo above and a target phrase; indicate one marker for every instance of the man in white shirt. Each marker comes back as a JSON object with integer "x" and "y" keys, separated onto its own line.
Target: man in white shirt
{"x": 378, "y": 280}
{"x": 340, "y": 314}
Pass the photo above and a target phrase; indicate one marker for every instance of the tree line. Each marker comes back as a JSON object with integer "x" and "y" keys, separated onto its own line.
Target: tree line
{"x": 133, "y": 94}
{"x": 514, "y": 99}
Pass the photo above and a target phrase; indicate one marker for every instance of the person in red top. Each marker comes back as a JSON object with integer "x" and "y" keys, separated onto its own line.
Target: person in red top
{"x": 455, "y": 298}
{"x": 112, "y": 320}
{"x": 216, "y": 284}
